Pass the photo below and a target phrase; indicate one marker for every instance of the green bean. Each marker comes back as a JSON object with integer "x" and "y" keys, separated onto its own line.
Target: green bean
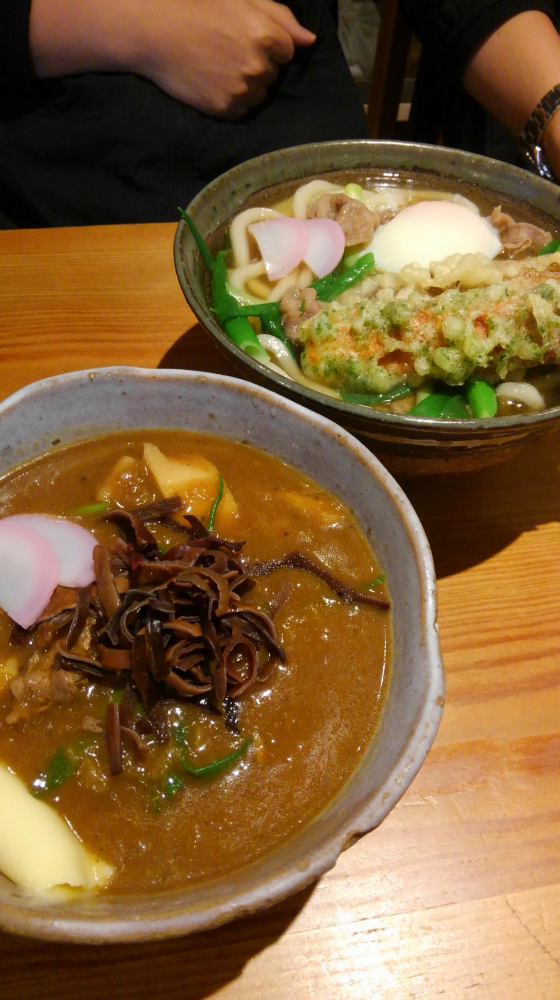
{"x": 206, "y": 255}
{"x": 238, "y": 329}
{"x": 551, "y": 247}
{"x": 62, "y": 765}
{"x": 215, "y": 505}
{"x": 482, "y": 399}
{"x": 430, "y": 406}
{"x": 331, "y": 286}
{"x": 374, "y": 398}
{"x": 455, "y": 409}
{"x": 93, "y": 508}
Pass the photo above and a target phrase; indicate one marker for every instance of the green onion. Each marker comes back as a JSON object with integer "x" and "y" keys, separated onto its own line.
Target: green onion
{"x": 93, "y": 508}
{"x": 302, "y": 305}
{"x": 206, "y": 255}
{"x": 374, "y": 583}
{"x": 425, "y": 390}
{"x": 62, "y": 765}
{"x": 374, "y": 398}
{"x": 172, "y": 783}
{"x": 117, "y": 695}
{"x": 331, "y": 286}
{"x": 215, "y": 505}
{"x": 551, "y": 247}
{"x": 269, "y": 315}
{"x": 242, "y": 298}
{"x": 241, "y": 333}
{"x": 238, "y": 328}
{"x": 216, "y": 766}
{"x": 354, "y": 191}
{"x": 482, "y": 399}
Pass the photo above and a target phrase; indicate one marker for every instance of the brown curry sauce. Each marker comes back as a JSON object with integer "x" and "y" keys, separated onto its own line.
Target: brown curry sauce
{"x": 310, "y": 720}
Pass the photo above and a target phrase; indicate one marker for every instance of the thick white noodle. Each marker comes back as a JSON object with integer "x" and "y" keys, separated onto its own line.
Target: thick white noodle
{"x": 282, "y": 286}
{"x": 385, "y": 198}
{"x": 238, "y": 232}
{"x": 280, "y": 353}
{"x": 309, "y": 192}
{"x": 459, "y": 199}
{"x": 301, "y": 279}
{"x": 305, "y": 277}
{"x": 394, "y": 198}
{"x": 273, "y": 345}
{"x": 521, "y": 392}
{"x": 240, "y": 275}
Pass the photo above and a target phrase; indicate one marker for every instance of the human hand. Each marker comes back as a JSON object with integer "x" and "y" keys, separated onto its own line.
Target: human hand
{"x": 219, "y": 56}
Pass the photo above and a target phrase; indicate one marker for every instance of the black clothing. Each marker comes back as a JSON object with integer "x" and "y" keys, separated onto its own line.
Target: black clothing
{"x": 451, "y": 31}
{"x": 113, "y": 147}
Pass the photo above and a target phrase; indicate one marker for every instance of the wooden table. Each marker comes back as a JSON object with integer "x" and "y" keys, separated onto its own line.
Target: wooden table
{"x": 459, "y": 890}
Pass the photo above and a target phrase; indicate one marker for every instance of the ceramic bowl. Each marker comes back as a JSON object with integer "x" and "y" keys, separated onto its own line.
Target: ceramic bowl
{"x": 406, "y": 445}
{"x": 56, "y": 411}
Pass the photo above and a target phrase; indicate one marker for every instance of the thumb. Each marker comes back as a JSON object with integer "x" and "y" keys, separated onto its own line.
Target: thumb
{"x": 285, "y": 19}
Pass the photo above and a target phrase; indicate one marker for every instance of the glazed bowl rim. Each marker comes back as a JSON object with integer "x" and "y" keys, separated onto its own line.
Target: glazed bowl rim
{"x": 369, "y": 813}
{"x": 464, "y": 428}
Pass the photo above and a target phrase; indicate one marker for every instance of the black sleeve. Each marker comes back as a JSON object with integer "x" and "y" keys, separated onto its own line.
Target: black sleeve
{"x": 15, "y": 60}
{"x": 456, "y": 28}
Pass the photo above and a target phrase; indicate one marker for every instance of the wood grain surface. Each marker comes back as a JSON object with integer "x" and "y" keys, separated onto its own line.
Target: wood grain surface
{"x": 457, "y": 894}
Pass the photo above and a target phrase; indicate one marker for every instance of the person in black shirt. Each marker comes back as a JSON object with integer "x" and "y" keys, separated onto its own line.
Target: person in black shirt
{"x": 120, "y": 110}
{"x": 503, "y": 53}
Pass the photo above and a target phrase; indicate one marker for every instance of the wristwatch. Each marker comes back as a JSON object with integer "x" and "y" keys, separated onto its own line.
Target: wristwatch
{"x": 530, "y": 139}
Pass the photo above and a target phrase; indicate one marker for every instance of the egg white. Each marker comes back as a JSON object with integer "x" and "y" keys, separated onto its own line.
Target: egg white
{"x": 430, "y": 231}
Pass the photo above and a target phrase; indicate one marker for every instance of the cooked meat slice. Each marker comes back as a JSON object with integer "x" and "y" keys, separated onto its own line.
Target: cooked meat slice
{"x": 297, "y": 305}
{"x": 64, "y": 685}
{"x": 356, "y": 221}
{"x": 518, "y": 237}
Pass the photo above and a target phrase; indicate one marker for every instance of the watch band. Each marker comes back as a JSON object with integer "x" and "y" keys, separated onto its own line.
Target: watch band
{"x": 530, "y": 140}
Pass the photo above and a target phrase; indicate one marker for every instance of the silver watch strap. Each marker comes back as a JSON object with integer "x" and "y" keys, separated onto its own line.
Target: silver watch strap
{"x": 530, "y": 140}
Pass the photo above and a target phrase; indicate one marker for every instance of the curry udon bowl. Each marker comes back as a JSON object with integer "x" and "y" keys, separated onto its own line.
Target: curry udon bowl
{"x": 53, "y": 413}
{"x": 407, "y": 445}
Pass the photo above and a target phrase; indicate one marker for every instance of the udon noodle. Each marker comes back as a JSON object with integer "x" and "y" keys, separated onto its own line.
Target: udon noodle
{"x": 457, "y": 314}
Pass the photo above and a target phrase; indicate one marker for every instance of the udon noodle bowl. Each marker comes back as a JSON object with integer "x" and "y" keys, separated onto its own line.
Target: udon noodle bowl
{"x": 409, "y": 299}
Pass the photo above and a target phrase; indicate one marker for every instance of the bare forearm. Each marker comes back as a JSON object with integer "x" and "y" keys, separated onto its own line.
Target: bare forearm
{"x": 515, "y": 67}
{"x": 77, "y": 36}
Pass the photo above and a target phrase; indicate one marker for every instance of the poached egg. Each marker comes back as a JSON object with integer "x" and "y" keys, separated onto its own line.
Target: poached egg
{"x": 431, "y": 231}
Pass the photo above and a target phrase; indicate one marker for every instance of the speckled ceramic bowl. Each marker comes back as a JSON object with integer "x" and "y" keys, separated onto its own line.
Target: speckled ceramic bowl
{"x": 406, "y": 445}
{"x": 59, "y": 410}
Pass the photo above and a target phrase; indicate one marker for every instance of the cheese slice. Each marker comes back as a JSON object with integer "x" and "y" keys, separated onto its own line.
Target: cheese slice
{"x": 38, "y": 850}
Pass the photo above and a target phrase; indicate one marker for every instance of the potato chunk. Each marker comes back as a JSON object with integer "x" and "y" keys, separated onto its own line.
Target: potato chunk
{"x": 195, "y": 480}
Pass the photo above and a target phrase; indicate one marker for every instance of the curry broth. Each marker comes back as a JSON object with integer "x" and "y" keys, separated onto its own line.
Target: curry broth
{"x": 310, "y": 721}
